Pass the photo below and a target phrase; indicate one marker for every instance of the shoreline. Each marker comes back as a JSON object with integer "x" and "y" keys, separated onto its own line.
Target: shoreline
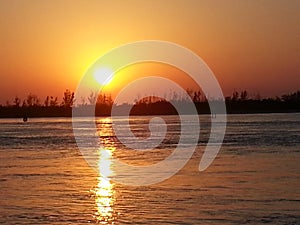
{"x": 140, "y": 115}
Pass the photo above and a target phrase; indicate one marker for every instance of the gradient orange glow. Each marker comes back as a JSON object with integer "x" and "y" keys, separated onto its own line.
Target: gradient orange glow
{"x": 46, "y": 46}
{"x": 141, "y": 70}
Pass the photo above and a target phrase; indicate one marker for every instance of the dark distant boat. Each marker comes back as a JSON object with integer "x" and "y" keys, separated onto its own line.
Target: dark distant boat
{"x": 25, "y": 118}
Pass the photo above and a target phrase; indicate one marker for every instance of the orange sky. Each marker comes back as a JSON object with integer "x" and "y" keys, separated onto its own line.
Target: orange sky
{"x": 46, "y": 46}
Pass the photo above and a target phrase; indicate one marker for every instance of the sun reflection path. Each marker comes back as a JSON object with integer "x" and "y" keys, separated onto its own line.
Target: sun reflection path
{"x": 104, "y": 192}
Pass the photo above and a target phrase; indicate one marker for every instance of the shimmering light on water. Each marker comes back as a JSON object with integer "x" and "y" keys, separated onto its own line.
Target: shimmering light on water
{"x": 104, "y": 192}
{"x": 254, "y": 180}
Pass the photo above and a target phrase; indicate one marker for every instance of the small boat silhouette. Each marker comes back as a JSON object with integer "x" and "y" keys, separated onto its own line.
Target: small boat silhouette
{"x": 25, "y": 118}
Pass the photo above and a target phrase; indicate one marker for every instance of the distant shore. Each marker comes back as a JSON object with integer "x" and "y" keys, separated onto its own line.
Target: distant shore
{"x": 157, "y": 108}
{"x": 102, "y": 105}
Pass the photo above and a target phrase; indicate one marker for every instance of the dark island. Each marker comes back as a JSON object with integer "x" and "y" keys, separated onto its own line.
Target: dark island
{"x": 102, "y": 104}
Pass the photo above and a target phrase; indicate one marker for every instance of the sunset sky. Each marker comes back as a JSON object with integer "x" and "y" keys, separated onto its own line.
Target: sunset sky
{"x": 46, "y": 46}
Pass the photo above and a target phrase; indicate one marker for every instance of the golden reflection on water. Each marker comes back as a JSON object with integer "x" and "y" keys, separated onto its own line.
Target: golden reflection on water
{"x": 104, "y": 191}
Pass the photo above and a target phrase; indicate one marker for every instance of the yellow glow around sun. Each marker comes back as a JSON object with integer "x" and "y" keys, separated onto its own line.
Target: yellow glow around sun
{"x": 103, "y": 75}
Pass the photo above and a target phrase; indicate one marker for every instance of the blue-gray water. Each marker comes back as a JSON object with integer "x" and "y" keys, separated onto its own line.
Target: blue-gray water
{"x": 255, "y": 178}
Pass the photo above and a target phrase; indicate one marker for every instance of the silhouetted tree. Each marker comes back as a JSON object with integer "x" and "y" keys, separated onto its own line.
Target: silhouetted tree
{"x": 83, "y": 101}
{"x": 109, "y": 100}
{"x": 92, "y": 98}
{"x": 197, "y": 96}
{"x": 68, "y": 99}
{"x": 53, "y": 101}
{"x": 47, "y": 101}
{"x": 175, "y": 96}
{"x": 190, "y": 92}
{"x": 235, "y": 96}
{"x": 24, "y": 103}
{"x": 17, "y": 102}
{"x": 293, "y": 97}
{"x": 32, "y": 100}
{"x": 100, "y": 99}
{"x": 104, "y": 99}
{"x": 244, "y": 95}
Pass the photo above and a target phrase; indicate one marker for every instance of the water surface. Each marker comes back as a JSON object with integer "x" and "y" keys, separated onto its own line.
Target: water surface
{"x": 254, "y": 180}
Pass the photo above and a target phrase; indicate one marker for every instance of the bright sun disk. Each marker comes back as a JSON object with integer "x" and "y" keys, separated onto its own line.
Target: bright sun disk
{"x": 103, "y": 75}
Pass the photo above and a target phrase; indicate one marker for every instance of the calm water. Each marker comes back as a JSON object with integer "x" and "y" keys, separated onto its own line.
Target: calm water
{"x": 254, "y": 180}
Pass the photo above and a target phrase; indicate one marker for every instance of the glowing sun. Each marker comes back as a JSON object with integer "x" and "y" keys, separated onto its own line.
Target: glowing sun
{"x": 103, "y": 76}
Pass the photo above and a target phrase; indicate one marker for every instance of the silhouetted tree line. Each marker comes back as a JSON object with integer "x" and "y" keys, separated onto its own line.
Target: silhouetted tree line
{"x": 32, "y": 106}
{"x": 242, "y": 103}
{"x": 238, "y": 102}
